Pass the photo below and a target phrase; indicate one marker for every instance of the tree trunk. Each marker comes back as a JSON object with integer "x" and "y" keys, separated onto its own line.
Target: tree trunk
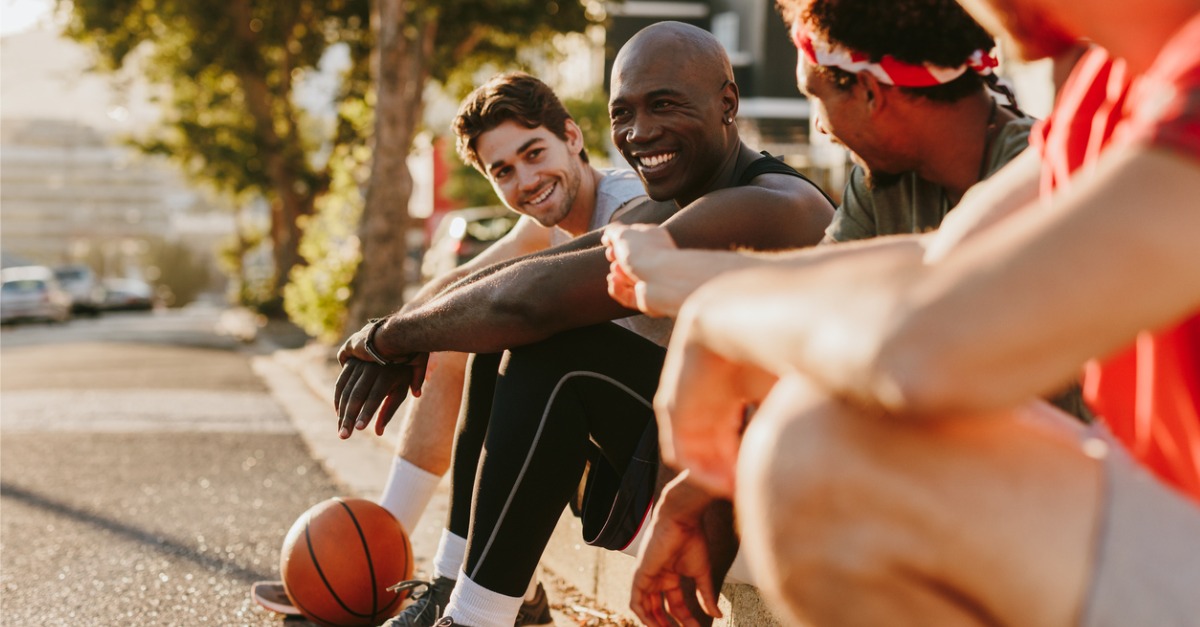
{"x": 278, "y": 152}
{"x": 404, "y": 37}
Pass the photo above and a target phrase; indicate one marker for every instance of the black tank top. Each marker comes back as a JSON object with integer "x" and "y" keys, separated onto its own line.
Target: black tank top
{"x": 769, "y": 164}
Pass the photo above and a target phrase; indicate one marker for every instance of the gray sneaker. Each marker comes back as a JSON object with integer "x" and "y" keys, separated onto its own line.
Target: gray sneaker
{"x": 429, "y": 599}
{"x": 535, "y": 612}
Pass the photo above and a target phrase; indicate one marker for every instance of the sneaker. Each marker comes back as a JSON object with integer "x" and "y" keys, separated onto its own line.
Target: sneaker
{"x": 429, "y": 599}
{"x": 271, "y": 595}
{"x": 535, "y": 612}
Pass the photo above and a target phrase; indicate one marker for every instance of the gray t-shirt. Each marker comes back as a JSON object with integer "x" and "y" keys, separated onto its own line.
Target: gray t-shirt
{"x": 912, "y": 205}
{"x": 618, "y": 190}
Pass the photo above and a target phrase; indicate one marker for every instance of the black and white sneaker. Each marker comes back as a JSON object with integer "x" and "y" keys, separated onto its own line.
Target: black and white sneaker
{"x": 429, "y": 599}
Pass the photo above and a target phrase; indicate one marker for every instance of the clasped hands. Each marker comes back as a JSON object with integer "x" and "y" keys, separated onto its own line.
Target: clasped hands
{"x": 366, "y": 389}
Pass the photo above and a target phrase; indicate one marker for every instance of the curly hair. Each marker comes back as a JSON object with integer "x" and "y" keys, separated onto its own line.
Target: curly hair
{"x": 515, "y": 96}
{"x": 914, "y": 31}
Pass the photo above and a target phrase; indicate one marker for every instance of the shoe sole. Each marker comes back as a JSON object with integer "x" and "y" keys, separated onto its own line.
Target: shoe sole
{"x": 271, "y": 595}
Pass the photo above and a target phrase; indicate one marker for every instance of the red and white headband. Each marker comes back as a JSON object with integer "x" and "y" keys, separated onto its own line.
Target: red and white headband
{"x": 887, "y": 70}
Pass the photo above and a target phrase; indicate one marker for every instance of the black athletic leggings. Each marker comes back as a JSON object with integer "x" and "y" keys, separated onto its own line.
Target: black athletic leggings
{"x": 537, "y": 414}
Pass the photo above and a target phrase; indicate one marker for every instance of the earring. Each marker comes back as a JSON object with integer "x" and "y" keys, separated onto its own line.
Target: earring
{"x": 728, "y": 120}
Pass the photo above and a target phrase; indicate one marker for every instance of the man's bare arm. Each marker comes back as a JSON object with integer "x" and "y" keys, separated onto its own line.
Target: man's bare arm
{"x": 545, "y": 294}
{"x": 669, "y": 274}
{"x": 526, "y": 237}
{"x": 1008, "y": 317}
{"x": 644, "y": 211}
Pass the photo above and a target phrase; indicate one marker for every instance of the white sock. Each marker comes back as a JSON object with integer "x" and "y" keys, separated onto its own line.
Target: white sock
{"x": 472, "y": 604}
{"x": 408, "y": 492}
{"x": 451, "y": 552}
{"x": 531, "y": 591}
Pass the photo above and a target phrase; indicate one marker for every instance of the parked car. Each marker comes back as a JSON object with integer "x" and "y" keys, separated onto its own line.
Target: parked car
{"x": 32, "y": 293}
{"x": 464, "y": 233}
{"x": 87, "y": 296}
{"x": 127, "y": 295}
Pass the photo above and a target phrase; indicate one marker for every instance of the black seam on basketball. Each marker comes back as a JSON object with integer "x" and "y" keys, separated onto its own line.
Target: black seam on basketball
{"x": 313, "y": 617}
{"x": 362, "y": 537}
{"x": 317, "y": 565}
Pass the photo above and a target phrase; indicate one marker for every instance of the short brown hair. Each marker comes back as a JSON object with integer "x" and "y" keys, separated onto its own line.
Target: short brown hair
{"x": 515, "y": 96}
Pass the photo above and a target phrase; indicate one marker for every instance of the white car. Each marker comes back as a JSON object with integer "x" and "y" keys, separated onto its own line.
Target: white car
{"x": 464, "y": 233}
{"x": 87, "y": 296}
{"x": 128, "y": 294}
{"x": 32, "y": 293}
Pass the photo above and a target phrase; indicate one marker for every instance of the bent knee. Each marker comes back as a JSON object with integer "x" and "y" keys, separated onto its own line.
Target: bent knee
{"x": 834, "y": 503}
{"x": 822, "y": 512}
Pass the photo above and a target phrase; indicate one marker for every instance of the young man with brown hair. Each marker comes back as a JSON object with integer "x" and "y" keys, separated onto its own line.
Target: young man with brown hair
{"x": 516, "y": 132}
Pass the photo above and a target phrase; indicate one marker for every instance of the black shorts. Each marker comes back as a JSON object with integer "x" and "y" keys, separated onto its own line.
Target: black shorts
{"x": 615, "y": 504}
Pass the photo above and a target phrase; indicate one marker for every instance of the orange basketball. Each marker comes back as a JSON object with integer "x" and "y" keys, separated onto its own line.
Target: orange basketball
{"x": 339, "y": 558}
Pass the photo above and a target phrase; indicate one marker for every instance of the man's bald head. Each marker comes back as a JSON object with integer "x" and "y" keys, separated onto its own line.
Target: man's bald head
{"x": 691, "y": 49}
{"x": 672, "y": 104}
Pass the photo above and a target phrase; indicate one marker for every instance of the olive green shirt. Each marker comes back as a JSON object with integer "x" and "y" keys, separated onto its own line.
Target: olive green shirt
{"x": 912, "y": 204}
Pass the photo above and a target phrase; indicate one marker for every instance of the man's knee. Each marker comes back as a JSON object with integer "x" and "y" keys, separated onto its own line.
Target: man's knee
{"x": 833, "y": 502}
{"x": 796, "y": 475}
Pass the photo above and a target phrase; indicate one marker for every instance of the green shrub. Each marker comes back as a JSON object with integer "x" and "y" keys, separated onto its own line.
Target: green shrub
{"x": 316, "y": 294}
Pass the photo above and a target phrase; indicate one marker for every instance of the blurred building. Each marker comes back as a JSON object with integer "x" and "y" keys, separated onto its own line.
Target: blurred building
{"x": 70, "y": 189}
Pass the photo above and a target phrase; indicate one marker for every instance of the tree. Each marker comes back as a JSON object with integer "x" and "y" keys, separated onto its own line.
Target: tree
{"x": 230, "y": 68}
{"x": 231, "y": 120}
{"x": 416, "y": 41}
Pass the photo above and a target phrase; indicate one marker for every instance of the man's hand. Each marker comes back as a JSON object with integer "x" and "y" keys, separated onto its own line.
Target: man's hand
{"x": 355, "y": 347}
{"x": 365, "y": 389}
{"x": 674, "y": 551}
{"x": 702, "y": 404}
{"x": 640, "y": 273}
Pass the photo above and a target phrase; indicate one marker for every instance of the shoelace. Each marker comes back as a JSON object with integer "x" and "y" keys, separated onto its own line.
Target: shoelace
{"x": 417, "y": 595}
{"x": 410, "y": 585}
{"x": 444, "y": 621}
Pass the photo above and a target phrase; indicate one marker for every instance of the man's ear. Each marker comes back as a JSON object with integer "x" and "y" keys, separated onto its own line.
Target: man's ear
{"x": 730, "y": 97}
{"x": 574, "y": 136}
{"x": 872, "y": 91}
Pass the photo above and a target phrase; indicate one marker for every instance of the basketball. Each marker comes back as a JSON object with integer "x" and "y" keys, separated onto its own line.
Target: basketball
{"x": 339, "y": 558}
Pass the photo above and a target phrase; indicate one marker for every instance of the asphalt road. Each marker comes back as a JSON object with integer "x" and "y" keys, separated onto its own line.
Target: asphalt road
{"x": 147, "y": 476}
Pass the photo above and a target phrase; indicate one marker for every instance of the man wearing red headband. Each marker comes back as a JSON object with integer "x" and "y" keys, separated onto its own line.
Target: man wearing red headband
{"x": 910, "y": 99}
{"x": 898, "y": 471}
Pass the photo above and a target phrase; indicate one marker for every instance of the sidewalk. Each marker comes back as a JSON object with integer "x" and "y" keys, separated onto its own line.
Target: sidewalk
{"x": 587, "y": 586}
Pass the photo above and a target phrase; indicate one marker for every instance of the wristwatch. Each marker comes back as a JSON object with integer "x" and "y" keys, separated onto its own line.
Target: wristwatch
{"x": 369, "y": 346}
